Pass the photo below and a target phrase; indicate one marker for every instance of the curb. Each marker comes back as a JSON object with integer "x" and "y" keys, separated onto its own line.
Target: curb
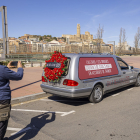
{"x": 28, "y": 98}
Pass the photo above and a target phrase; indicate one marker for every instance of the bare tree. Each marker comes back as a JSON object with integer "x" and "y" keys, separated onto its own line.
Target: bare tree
{"x": 122, "y": 40}
{"x": 99, "y": 38}
{"x": 137, "y": 40}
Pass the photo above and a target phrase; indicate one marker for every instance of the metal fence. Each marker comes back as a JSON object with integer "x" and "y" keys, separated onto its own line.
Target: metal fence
{"x": 44, "y": 48}
{"x": 28, "y": 57}
{"x": 41, "y": 52}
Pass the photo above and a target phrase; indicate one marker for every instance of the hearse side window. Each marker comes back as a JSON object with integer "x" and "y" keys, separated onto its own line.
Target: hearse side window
{"x": 68, "y": 63}
{"x": 123, "y": 65}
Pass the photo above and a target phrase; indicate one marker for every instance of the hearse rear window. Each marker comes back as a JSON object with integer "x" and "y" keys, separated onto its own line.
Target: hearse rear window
{"x": 93, "y": 67}
{"x": 67, "y": 64}
{"x": 56, "y": 65}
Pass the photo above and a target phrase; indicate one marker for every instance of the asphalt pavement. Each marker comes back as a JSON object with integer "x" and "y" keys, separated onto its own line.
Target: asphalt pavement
{"x": 116, "y": 117}
{"x": 39, "y": 116}
{"x": 29, "y": 87}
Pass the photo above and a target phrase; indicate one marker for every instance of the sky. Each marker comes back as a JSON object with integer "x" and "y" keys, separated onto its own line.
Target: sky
{"x": 57, "y": 17}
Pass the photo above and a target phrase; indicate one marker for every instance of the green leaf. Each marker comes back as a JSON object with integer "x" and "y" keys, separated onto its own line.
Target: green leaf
{"x": 66, "y": 68}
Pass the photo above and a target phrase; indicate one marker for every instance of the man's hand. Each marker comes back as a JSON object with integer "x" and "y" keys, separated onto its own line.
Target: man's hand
{"x": 19, "y": 65}
{"x": 9, "y": 65}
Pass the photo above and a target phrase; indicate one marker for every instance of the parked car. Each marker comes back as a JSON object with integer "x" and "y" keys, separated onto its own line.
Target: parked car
{"x": 93, "y": 75}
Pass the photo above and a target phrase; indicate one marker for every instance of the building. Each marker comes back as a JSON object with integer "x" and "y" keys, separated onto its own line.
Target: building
{"x": 106, "y": 48}
{"x": 34, "y": 37}
{"x": 78, "y": 37}
{"x": 125, "y": 46}
{"x": 29, "y": 37}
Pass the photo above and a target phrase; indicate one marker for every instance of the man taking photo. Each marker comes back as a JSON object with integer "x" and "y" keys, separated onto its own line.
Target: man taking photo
{"x": 5, "y": 93}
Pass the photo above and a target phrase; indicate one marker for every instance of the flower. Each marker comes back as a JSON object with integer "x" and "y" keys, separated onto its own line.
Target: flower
{"x": 56, "y": 73}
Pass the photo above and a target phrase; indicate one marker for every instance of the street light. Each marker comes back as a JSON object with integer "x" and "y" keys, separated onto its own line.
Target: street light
{"x": 113, "y": 46}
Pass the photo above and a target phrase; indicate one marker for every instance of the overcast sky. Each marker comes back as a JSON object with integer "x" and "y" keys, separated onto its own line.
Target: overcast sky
{"x": 57, "y": 17}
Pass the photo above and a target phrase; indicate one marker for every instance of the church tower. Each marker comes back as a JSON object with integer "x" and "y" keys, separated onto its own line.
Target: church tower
{"x": 78, "y": 30}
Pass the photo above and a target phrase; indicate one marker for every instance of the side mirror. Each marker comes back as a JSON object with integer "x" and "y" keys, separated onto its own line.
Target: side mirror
{"x": 131, "y": 67}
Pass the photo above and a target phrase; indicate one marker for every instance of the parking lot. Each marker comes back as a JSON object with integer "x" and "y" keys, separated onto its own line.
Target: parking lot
{"x": 116, "y": 117}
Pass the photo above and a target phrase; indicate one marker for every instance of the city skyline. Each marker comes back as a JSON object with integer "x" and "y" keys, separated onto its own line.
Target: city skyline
{"x": 61, "y": 17}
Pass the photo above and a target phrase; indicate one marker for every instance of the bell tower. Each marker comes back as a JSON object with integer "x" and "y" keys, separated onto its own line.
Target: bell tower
{"x": 78, "y": 30}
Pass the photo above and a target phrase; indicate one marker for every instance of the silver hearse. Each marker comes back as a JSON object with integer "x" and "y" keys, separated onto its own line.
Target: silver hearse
{"x": 93, "y": 75}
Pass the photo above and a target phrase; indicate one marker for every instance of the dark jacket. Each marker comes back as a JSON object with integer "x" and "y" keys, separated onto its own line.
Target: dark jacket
{"x": 5, "y": 75}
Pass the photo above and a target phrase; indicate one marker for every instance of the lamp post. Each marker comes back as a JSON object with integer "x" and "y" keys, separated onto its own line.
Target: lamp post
{"x": 3, "y": 10}
{"x": 113, "y": 46}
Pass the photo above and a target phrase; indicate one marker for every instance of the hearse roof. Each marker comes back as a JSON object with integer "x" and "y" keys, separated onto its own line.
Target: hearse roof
{"x": 89, "y": 54}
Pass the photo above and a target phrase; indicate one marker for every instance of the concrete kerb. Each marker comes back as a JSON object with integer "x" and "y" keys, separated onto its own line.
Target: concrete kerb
{"x": 28, "y": 98}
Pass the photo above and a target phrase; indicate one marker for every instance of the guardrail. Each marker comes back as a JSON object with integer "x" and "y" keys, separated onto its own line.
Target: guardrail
{"x": 29, "y": 57}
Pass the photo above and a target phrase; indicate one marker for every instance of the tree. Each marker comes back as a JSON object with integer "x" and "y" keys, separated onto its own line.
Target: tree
{"x": 122, "y": 40}
{"x": 54, "y": 38}
{"x": 137, "y": 40}
{"x": 64, "y": 39}
{"x": 44, "y": 37}
{"x": 49, "y": 36}
{"x": 40, "y": 38}
{"x": 99, "y": 38}
{"x": 48, "y": 40}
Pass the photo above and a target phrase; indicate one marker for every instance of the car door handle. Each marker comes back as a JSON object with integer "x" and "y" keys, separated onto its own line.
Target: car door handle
{"x": 124, "y": 72}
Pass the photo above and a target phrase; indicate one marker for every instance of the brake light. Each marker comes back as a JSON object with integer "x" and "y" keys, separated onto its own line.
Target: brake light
{"x": 68, "y": 82}
{"x": 43, "y": 79}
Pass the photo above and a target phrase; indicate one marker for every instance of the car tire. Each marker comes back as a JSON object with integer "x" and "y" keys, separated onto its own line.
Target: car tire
{"x": 137, "y": 84}
{"x": 96, "y": 94}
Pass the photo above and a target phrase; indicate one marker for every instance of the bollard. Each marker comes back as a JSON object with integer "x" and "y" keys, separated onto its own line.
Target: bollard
{"x": 31, "y": 64}
{"x": 40, "y": 64}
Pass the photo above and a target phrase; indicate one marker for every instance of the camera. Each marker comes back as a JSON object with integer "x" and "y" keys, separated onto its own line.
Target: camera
{"x": 14, "y": 63}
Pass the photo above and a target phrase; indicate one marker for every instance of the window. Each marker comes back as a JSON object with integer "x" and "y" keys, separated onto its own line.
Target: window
{"x": 67, "y": 65}
{"x": 122, "y": 65}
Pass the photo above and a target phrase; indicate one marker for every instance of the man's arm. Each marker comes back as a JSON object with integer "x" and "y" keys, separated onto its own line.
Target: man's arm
{"x": 11, "y": 75}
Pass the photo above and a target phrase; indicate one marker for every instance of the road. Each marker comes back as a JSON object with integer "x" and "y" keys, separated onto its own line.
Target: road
{"x": 116, "y": 117}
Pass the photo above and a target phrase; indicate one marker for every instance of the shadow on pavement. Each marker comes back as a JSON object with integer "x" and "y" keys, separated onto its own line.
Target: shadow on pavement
{"x": 117, "y": 91}
{"x": 69, "y": 101}
{"x": 82, "y": 101}
{"x": 25, "y": 85}
{"x": 32, "y": 129}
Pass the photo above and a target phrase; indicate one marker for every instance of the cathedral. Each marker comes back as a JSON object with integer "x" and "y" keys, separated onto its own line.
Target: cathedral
{"x": 79, "y": 37}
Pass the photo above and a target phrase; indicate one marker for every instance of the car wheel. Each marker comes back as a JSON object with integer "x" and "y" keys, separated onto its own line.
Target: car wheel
{"x": 97, "y": 94}
{"x": 137, "y": 84}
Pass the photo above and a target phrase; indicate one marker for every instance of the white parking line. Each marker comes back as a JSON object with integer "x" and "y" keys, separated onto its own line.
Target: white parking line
{"x": 130, "y": 89}
{"x": 18, "y": 130}
{"x": 13, "y": 129}
{"x": 44, "y": 111}
{"x": 116, "y": 94}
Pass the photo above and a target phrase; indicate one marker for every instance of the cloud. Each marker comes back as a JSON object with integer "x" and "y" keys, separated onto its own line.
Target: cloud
{"x": 86, "y": 13}
{"x": 97, "y": 16}
{"x": 113, "y": 36}
{"x": 135, "y": 11}
{"x": 102, "y": 14}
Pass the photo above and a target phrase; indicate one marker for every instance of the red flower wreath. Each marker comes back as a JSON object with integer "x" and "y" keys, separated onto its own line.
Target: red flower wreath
{"x": 55, "y": 74}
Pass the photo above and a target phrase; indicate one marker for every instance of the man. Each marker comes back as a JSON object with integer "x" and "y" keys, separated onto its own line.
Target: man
{"x": 5, "y": 93}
